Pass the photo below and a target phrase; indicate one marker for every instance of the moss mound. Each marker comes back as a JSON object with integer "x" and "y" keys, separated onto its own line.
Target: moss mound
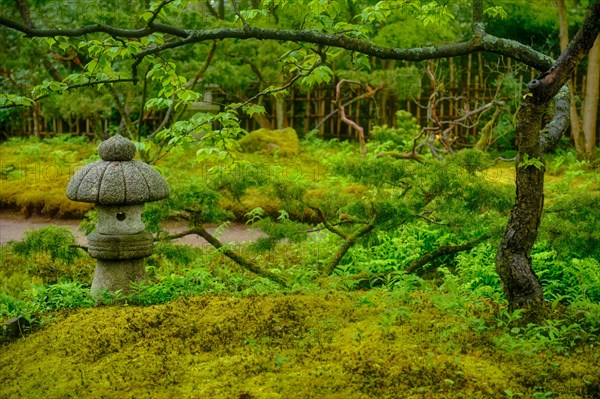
{"x": 284, "y": 142}
{"x": 318, "y": 346}
{"x": 34, "y": 175}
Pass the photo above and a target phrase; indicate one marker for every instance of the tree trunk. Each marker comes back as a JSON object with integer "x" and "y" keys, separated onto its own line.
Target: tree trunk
{"x": 578, "y": 138}
{"x": 590, "y": 103}
{"x": 280, "y": 112}
{"x": 513, "y": 260}
{"x": 262, "y": 120}
{"x": 37, "y": 129}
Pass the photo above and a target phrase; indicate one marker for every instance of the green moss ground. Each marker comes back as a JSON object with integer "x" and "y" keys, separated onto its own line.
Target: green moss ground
{"x": 34, "y": 175}
{"x": 319, "y": 346}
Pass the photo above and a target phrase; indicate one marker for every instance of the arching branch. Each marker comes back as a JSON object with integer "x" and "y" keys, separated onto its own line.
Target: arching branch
{"x": 480, "y": 42}
{"x": 95, "y": 28}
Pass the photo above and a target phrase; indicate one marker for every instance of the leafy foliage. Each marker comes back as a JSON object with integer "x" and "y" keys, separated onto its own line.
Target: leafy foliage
{"x": 58, "y": 242}
{"x": 402, "y": 135}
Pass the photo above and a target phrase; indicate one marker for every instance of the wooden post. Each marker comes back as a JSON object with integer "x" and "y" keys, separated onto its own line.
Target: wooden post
{"x": 452, "y": 84}
{"x": 520, "y": 86}
{"x": 321, "y": 113}
{"x": 307, "y": 113}
{"x": 480, "y": 61}
{"x": 358, "y": 113}
{"x": 419, "y": 108}
{"x": 332, "y": 121}
{"x": 469, "y": 65}
{"x": 291, "y": 120}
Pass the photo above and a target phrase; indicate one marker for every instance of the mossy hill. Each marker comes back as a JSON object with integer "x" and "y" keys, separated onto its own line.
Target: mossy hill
{"x": 342, "y": 345}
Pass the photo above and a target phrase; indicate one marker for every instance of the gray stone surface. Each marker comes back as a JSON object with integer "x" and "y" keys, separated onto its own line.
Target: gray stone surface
{"x": 116, "y": 148}
{"x": 16, "y": 327}
{"x": 115, "y": 275}
{"x": 117, "y": 179}
{"x": 119, "y": 219}
{"x": 138, "y": 190}
{"x": 130, "y": 246}
{"x": 84, "y": 186}
{"x": 117, "y": 183}
{"x": 158, "y": 188}
{"x": 119, "y": 186}
{"x": 112, "y": 186}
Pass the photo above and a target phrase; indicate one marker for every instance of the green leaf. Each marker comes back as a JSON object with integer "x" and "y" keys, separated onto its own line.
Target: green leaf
{"x": 496, "y": 12}
{"x": 12, "y": 99}
{"x": 146, "y": 16}
{"x": 535, "y": 162}
{"x": 50, "y": 40}
{"x": 254, "y": 109}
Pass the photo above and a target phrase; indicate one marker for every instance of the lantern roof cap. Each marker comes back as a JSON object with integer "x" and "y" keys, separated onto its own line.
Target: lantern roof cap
{"x": 117, "y": 179}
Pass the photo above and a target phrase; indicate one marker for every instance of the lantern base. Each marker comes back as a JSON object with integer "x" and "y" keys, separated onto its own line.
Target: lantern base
{"x": 117, "y": 275}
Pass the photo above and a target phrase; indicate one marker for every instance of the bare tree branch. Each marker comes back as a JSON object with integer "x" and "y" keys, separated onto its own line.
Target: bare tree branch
{"x": 95, "y": 28}
{"x": 560, "y": 122}
{"x": 239, "y": 15}
{"x": 284, "y": 87}
{"x": 442, "y": 251}
{"x": 548, "y": 85}
{"x": 348, "y": 121}
{"x": 349, "y": 241}
{"x": 328, "y": 224}
{"x": 243, "y": 262}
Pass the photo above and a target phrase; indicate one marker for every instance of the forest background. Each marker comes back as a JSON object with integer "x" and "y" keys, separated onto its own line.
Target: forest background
{"x": 410, "y": 226}
{"x": 234, "y": 71}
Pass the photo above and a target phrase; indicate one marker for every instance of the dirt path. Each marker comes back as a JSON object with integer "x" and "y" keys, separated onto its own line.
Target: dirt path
{"x": 13, "y": 225}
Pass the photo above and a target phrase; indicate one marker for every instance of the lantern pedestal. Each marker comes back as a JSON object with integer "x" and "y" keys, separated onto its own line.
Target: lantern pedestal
{"x": 117, "y": 275}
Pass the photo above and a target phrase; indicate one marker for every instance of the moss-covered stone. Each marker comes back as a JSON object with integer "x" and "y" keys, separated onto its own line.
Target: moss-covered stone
{"x": 284, "y": 142}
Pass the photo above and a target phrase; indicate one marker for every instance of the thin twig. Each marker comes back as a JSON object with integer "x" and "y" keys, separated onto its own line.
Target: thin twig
{"x": 238, "y": 13}
{"x": 157, "y": 11}
{"x": 281, "y": 88}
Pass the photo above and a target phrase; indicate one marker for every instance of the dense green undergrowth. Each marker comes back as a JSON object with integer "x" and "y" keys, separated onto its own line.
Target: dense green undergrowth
{"x": 202, "y": 326}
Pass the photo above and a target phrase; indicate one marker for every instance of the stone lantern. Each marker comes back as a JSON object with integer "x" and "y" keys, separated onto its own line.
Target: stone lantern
{"x": 119, "y": 187}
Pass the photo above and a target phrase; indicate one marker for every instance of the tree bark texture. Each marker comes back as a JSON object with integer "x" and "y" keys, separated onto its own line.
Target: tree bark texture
{"x": 513, "y": 259}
